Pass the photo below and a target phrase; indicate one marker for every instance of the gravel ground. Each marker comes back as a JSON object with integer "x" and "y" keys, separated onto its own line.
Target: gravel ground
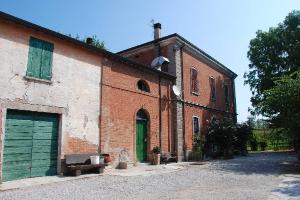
{"x": 251, "y": 177}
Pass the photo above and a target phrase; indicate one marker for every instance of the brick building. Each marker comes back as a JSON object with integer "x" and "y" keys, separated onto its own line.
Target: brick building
{"x": 206, "y": 86}
{"x": 62, "y": 96}
{"x": 136, "y": 112}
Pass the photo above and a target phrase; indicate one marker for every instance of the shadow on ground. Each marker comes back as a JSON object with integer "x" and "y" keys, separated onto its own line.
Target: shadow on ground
{"x": 266, "y": 163}
{"x": 289, "y": 188}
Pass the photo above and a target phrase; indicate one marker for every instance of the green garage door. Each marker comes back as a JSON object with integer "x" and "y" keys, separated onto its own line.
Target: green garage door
{"x": 30, "y": 145}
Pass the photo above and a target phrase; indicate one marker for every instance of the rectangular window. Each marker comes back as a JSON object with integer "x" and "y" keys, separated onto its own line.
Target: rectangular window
{"x": 212, "y": 84}
{"x": 39, "y": 64}
{"x": 196, "y": 126}
{"x": 194, "y": 81}
{"x": 226, "y": 92}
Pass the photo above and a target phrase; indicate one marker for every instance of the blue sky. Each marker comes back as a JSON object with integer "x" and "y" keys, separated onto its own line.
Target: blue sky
{"x": 221, "y": 28}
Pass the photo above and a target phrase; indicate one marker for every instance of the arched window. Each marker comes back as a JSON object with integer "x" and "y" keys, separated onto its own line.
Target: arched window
{"x": 142, "y": 85}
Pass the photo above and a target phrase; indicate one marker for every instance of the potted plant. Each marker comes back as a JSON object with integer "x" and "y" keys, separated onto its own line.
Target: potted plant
{"x": 156, "y": 155}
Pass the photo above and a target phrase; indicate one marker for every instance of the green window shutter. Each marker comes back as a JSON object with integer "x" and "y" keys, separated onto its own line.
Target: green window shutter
{"x": 40, "y": 59}
{"x": 34, "y": 58}
{"x": 46, "y": 65}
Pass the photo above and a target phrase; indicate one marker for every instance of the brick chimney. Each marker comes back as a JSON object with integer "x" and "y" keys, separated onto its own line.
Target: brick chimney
{"x": 157, "y": 27}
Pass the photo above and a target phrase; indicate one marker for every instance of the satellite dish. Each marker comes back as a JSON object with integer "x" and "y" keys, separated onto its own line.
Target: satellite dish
{"x": 176, "y": 91}
{"x": 158, "y": 61}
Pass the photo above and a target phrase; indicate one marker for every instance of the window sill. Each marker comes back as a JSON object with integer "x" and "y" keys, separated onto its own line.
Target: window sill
{"x": 29, "y": 78}
{"x": 195, "y": 93}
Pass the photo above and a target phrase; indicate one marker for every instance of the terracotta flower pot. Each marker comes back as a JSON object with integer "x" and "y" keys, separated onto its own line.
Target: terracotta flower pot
{"x": 107, "y": 158}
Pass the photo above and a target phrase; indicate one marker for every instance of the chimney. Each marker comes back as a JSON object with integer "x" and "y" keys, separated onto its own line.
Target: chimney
{"x": 157, "y": 27}
{"x": 89, "y": 40}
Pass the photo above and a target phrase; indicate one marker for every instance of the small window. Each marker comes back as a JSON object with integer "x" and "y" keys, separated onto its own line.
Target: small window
{"x": 196, "y": 126}
{"x": 212, "y": 84}
{"x": 39, "y": 64}
{"x": 142, "y": 85}
{"x": 194, "y": 81}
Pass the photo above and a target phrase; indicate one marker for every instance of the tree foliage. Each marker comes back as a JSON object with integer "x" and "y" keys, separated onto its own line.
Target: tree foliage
{"x": 274, "y": 76}
{"x": 282, "y": 104}
{"x": 273, "y": 54}
{"x": 228, "y": 137}
{"x": 96, "y": 42}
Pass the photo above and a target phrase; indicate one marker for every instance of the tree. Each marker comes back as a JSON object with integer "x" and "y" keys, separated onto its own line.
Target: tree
{"x": 274, "y": 74}
{"x": 227, "y": 137}
{"x": 220, "y": 135}
{"x": 282, "y": 104}
{"x": 96, "y": 42}
{"x": 273, "y": 54}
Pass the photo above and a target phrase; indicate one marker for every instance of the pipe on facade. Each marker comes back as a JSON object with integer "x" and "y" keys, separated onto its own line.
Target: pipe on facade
{"x": 234, "y": 99}
{"x": 100, "y": 109}
{"x": 160, "y": 114}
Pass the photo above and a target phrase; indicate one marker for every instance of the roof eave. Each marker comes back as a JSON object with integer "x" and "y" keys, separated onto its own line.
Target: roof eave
{"x": 80, "y": 43}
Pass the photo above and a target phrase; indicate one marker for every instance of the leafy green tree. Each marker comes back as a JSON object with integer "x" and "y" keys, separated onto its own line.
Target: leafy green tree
{"x": 273, "y": 54}
{"x": 282, "y": 104}
{"x": 241, "y": 136}
{"x": 96, "y": 42}
{"x": 274, "y": 75}
{"x": 229, "y": 137}
{"x": 220, "y": 135}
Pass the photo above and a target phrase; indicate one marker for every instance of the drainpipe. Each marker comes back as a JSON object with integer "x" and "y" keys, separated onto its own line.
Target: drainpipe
{"x": 100, "y": 109}
{"x": 160, "y": 115}
{"x": 234, "y": 99}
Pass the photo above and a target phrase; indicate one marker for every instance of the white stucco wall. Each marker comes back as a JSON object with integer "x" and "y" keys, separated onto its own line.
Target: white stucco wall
{"x": 75, "y": 86}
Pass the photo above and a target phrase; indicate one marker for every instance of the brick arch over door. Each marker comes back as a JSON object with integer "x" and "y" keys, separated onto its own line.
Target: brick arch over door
{"x": 142, "y": 135}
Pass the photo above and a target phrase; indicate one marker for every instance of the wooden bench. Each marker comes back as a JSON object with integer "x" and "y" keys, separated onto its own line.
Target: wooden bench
{"x": 168, "y": 157}
{"x": 78, "y": 163}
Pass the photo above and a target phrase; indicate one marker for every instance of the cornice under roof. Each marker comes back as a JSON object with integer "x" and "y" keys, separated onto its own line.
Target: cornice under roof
{"x": 190, "y": 45}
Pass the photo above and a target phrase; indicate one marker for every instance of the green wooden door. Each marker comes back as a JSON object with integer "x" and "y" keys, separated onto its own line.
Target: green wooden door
{"x": 30, "y": 146}
{"x": 141, "y": 140}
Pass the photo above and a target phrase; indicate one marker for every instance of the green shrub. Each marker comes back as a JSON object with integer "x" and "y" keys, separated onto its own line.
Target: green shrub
{"x": 263, "y": 145}
{"x": 156, "y": 150}
{"x": 197, "y": 153}
{"x": 242, "y": 134}
{"x": 253, "y": 144}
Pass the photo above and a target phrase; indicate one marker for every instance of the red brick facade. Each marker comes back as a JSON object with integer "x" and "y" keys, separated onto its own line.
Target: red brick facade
{"x": 199, "y": 105}
{"x": 120, "y": 102}
{"x": 75, "y": 145}
{"x": 215, "y": 108}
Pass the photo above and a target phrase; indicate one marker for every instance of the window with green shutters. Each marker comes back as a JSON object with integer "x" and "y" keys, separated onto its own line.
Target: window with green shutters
{"x": 40, "y": 56}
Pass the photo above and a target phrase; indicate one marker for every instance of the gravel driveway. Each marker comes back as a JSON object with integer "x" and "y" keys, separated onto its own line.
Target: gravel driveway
{"x": 251, "y": 177}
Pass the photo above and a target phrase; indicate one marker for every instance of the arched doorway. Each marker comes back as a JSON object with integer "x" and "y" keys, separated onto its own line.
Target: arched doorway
{"x": 141, "y": 136}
